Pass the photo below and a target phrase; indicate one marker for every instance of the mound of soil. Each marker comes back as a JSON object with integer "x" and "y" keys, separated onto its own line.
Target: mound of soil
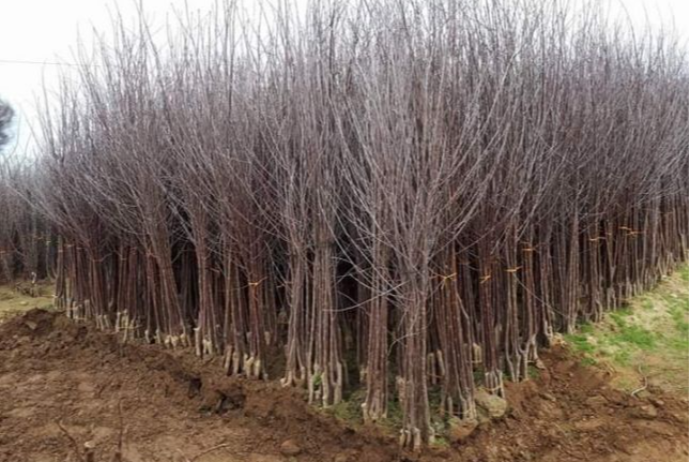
{"x": 64, "y": 384}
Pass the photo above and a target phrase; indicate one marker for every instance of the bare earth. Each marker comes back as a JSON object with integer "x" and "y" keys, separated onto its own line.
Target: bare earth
{"x": 161, "y": 405}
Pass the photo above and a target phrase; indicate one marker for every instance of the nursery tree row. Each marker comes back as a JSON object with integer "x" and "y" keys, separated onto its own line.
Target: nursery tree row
{"x": 407, "y": 198}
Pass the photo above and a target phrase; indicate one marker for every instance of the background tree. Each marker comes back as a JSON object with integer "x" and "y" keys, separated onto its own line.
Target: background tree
{"x": 6, "y": 118}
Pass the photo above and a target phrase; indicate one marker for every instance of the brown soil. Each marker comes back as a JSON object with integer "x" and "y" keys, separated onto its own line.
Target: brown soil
{"x": 169, "y": 406}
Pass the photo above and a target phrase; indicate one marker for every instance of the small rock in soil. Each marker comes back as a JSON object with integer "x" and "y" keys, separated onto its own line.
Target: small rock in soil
{"x": 494, "y": 405}
{"x": 548, "y": 396}
{"x": 550, "y": 411}
{"x": 459, "y": 429}
{"x": 657, "y": 402}
{"x": 681, "y": 417}
{"x": 644, "y": 394}
{"x": 589, "y": 425}
{"x": 290, "y": 448}
{"x": 596, "y": 401}
{"x": 647, "y": 411}
{"x": 483, "y": 417}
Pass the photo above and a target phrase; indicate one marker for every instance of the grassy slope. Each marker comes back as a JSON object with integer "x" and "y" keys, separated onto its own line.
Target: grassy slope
{"x": 13, "y": 302}
{"x": 646, "y": 341}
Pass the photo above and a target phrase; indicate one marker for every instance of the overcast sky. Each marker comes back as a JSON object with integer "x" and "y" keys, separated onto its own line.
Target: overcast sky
{"x": 37, "y": 37}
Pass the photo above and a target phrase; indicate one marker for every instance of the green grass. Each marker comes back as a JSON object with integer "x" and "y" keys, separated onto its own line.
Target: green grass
{"x": 532, "y": 371}
{"x": 350, "y": 410}
{"x": 581, "y": 340}
{"x": 683, "y": 271}
{"x": 589, "y": 361}
{"x": 636, "y": 336}
{"x": 649, "y": 332}
{"x": 440, "y": 442}
{"x": 622, "y": 340}
{"x": 394, "y": 417}
{"x": 581, "y": 343}
{"x": 13, "y": 303}
{"x": 678, "y": 310}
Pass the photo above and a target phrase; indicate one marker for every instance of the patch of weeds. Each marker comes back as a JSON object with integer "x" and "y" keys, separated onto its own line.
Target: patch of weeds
{"x": 438, "y": 419}
{"x": 679, "y": 344}
{"x": 392, "y": 423}
{"x": 682, "y": 326}
{"x": 586, "y": 328}
{"x": 435, "y": 397}
{"x": 651, "y": 331}
{"x": 635, "y": 335}
{"x": 588, "y": 361}
{"x": 676, "y": 303}
{"x": 683, "y": 270}
{"x": 440, "y": 442}
{"x": 647, "y": 304}
{"x": 351, "y": 410}
{"x": 618, "y": 317}
{"x": 478, "y": 376}
{"x": 621, "y": 357}
{"x": 581, "y": 343}
{"x": 678, "y": 310}
{"x": 532, "y": 372}
{"x": 394, "y": 418}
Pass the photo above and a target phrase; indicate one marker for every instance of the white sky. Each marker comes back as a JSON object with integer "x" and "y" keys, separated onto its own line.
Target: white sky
{"x": 37, "y": 34}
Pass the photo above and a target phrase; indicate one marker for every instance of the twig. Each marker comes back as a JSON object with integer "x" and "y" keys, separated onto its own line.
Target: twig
{"x": 184, "y": 456}
{"x": 206, "y": 451}
{"x": 72, "y": 440}
{"x": 89, "y": 447}
{"x": 644, "y": 387}
{"x": 118, "y": 454}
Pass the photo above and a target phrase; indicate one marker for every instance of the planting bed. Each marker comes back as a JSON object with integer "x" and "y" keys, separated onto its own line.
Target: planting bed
{"x": 63, "y": 384}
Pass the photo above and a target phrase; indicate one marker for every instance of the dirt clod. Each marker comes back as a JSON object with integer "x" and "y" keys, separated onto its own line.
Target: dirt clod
{"x": 289, "y": 448}
{"x": 342, "y": 457}
{"x": 460, "y": 429}
{"x": 494, "y": 405}
{"x": 596, "y": 401}
{"x": 647, "y": 411}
